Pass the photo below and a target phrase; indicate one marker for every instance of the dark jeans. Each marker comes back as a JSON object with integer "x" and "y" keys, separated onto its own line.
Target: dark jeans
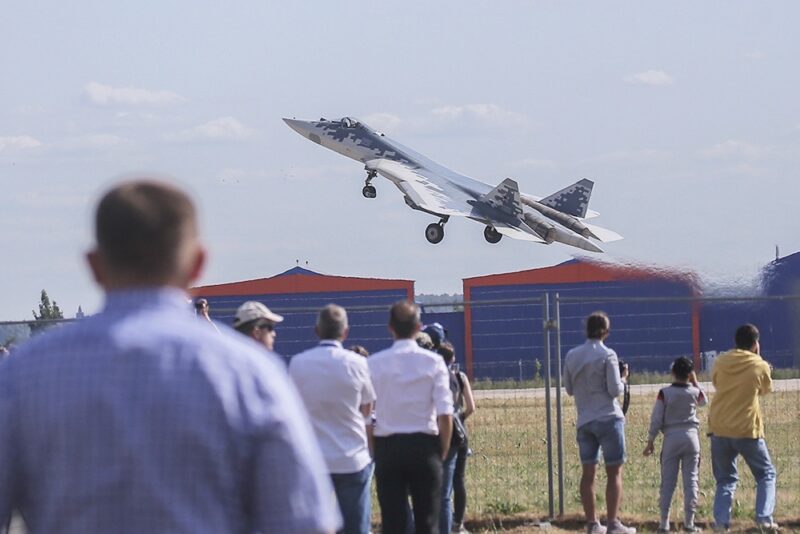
{"x": 446, "y": 511}
{"x": 459, "y": 486}
{"x": 408, "y": 464}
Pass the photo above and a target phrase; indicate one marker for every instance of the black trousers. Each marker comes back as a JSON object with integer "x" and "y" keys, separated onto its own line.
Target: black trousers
{"x": 409, "y": 464}
{"x": 459, "y": 486}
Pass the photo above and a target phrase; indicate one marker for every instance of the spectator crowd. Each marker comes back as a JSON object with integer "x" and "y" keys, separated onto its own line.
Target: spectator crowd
{"x": 145, "y": 418}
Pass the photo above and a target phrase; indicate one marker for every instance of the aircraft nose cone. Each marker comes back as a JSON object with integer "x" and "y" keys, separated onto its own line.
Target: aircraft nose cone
{"x": 307, "y": 129}
{"x": 301, "y": 127}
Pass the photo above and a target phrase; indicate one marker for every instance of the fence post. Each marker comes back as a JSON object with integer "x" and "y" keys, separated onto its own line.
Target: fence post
{"x": 546, "y": 325}
{"x": 559, "y": 421}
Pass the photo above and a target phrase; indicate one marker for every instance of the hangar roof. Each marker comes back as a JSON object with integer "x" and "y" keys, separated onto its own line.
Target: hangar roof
{"x": 582, "y": 270}
{"x": 300, "y": 280}
{"x": 782, "y": 276}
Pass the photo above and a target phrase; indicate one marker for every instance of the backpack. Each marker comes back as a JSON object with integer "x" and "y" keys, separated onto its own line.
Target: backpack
{"x": 459, "y": 437}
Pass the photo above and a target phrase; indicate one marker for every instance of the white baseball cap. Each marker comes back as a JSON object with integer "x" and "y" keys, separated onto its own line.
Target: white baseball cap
{"x": 252, "y": 310}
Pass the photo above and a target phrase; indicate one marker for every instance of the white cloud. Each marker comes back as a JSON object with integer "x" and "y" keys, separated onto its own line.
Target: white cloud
{"x": 19, "y": 142}
{"x": 383, "y": 121}
{"x": 224, "y": 128}
{"x": 488, "y": 114}
{"x": 468, "y": 118}
{"x": 636, "y": 155}
{"x": 129, "y": 117}
{"x": 93, "y": 141}
{"x": 650, "y": 77}
{"x": 735, "y": 149}
{"x": 755, "y": 55}
{"x": 104, "y": 95}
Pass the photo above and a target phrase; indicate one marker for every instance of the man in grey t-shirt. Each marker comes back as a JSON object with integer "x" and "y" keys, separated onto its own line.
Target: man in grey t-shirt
{"x": 592, "y": 376}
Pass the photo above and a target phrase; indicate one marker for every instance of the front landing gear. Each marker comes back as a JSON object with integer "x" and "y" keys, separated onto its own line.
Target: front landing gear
{"x": 434, "y": 233}
{"x": 369, "y": 190}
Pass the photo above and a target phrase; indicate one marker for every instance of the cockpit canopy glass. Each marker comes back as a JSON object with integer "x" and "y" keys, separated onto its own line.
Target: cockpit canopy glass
{"x": 347, "y": 122}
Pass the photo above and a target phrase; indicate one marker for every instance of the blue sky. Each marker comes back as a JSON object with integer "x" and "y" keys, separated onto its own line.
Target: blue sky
{"x": 685, "y": 115}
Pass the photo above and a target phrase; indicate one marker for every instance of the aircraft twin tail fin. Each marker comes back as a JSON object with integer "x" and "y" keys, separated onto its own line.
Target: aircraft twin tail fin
{"x": 505, "y": 197}
{"x": 572, "y": 200}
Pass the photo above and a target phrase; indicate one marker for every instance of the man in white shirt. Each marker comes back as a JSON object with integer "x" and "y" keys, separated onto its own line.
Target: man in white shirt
{"x": 335, "y": 386}
{"x": 414, "y": 418}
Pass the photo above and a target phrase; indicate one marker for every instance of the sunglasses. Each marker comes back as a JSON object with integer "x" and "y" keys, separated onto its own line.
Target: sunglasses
{"x": 269, "y": 327}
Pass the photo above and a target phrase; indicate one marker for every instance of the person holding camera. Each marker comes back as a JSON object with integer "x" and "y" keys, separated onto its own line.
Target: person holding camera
{"x": 202, "y": 310}
{"x": 594, "y": 376}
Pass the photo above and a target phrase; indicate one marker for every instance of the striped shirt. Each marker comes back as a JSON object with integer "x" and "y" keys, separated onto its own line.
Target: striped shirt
{"x": 144, "y": 419}
{"x": 676, "y": 409}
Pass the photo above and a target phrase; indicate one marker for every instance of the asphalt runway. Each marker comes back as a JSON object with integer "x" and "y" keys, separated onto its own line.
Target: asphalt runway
{"x": 792, "y": 384}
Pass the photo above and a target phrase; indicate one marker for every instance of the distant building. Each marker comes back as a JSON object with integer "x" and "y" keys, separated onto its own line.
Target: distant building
{"x": 505, "y": 339}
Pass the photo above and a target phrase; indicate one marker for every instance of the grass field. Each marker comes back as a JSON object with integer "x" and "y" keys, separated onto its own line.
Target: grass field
{"x": 507, "y": 473}
{"x": 646, "y": 377}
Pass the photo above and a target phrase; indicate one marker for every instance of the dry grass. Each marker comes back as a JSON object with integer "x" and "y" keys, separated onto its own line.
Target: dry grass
{"x": 507, "y": 474}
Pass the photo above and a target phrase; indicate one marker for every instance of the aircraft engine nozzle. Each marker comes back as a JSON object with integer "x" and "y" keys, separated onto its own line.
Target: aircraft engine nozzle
{"x": 552, "y": 233}
{"x": 565, "y": 220}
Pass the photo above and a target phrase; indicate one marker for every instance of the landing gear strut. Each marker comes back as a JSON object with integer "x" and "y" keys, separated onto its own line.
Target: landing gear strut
{"x": 491, "y": 235}
{"x": 369, "y": 190}
{"x": 434, "y": 233}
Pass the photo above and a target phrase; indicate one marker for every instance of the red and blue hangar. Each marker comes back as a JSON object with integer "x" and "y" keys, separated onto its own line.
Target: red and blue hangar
{"x": 298, "y": 294}
{"x": 653, "y": 319}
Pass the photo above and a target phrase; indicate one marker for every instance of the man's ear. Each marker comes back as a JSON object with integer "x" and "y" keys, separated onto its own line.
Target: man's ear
{"x": 346, "y": 333}
{"x": 198, "y": 263}
{"x": 97, "y": 266}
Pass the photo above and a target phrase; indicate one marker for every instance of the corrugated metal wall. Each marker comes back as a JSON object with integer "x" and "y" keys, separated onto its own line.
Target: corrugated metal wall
{"x": 507, "y": 339}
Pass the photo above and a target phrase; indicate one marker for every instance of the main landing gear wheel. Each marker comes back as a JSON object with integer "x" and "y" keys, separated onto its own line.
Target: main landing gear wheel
{"x": 434, "y": 233}
{"x": 492, "y": 235}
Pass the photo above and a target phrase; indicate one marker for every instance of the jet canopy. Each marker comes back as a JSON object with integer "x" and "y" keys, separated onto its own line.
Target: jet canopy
{"x": 348, "y": 122}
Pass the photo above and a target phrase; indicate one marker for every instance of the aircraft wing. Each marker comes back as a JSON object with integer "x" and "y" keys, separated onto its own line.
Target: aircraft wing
{"x": 515, "y": 233}
{"x": 603, "y": 235}
{"x": 420, "y": 187}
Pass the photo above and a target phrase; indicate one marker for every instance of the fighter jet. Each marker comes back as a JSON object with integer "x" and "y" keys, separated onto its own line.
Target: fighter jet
{"x": 434, "y": 189}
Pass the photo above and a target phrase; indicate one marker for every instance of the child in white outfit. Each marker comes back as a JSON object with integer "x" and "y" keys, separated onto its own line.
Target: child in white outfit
{"x": 675, "y": 415}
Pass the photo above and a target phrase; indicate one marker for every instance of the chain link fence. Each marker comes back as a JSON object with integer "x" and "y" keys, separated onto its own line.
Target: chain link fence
{"x": 524, "y": 428}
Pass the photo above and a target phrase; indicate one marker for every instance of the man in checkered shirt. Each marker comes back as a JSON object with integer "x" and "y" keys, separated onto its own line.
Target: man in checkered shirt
{"x": 143, "y": 419}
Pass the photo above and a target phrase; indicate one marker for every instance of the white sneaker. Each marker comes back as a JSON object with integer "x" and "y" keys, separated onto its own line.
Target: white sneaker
{"x": 768, "y": 526}
{"x": 595, "y": 528}
{"x": 618, "y": 528}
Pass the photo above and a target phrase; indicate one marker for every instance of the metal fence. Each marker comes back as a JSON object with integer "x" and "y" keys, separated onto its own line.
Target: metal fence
{"x": 522, "y": 436}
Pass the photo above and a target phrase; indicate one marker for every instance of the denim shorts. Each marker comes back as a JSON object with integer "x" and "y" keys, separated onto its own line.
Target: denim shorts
{"x": 606, "y": 433}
